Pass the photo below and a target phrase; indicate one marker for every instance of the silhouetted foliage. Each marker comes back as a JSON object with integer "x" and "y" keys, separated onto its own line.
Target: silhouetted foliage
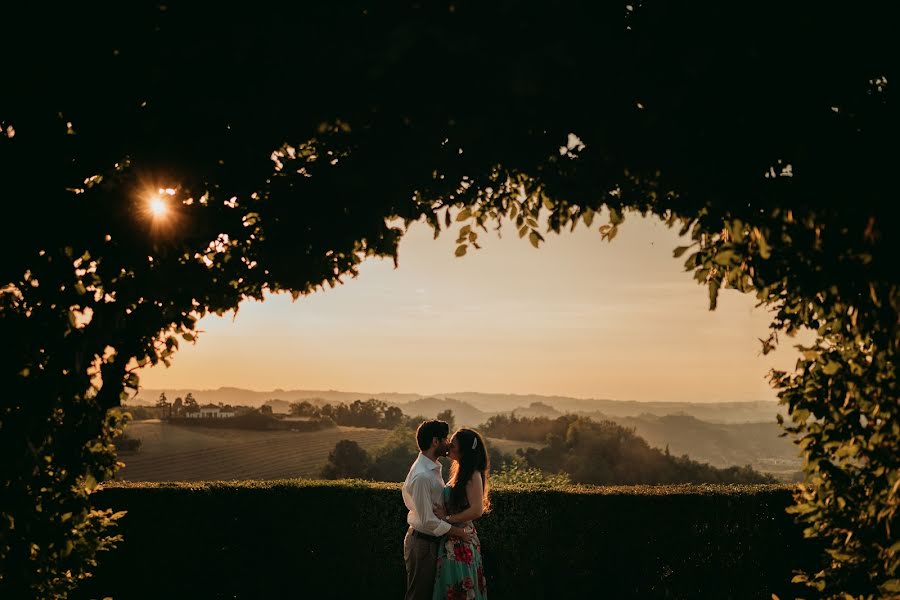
{"x": 517, "y": 474}
{"x": 605, "y": 453}
{"x": 447, "y": 417}
{"x": 526, "y": 429}
{"x": 540, "y": 542}
{"x": 347, "y": 461}
{"x": 391, "y": 461}
{"x": 288, "y": 137}
{"x": 359, "y": 413}
{"x": 304, "y": 409}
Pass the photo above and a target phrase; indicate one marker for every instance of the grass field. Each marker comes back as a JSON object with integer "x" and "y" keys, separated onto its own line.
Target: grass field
{"x": 176, "y": 453}
{"x": 173, "y": 453}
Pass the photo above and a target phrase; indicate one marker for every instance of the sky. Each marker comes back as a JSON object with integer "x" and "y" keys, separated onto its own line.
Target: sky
{"x": 578, "y": 317}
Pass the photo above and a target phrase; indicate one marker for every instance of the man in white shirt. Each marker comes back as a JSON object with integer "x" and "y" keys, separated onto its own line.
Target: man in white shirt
{"x": 422, "y": 490}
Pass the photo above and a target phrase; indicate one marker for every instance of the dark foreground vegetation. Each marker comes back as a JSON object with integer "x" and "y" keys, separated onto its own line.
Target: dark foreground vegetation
{"x": 293, "y": 143}
{"x": 343, "y": 539}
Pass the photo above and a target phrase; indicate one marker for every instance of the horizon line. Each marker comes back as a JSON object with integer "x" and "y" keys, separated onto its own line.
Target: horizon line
{"x": 448, "y": 395}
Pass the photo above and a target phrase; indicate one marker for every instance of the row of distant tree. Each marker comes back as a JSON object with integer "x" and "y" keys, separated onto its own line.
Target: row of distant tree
{"x": 163, "y": 408}
{"x": 178, "y": 407}
{"x": 574, "y": 448}
{"x": 371, "y": 413}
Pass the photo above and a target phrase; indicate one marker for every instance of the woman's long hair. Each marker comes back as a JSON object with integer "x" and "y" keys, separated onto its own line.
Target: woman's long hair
{"x": 473, "y": 456}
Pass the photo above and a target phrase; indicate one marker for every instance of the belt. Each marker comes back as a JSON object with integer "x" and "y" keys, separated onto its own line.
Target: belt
{"x": 425, "y": 536}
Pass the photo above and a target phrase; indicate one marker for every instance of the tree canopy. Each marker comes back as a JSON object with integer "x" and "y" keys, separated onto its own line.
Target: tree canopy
{"x": 287, "y": 146}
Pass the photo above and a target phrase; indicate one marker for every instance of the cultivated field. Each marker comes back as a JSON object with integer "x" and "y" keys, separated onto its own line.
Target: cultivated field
{"x": 173, "y": 453}
{"x": 176, "y": 453}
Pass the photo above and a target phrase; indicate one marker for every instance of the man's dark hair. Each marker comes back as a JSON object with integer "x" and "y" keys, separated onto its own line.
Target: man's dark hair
{"x": 428, "y": 430}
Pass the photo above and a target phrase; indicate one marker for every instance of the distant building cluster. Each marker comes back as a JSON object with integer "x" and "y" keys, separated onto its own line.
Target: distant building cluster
{"x": 209, "y": 411}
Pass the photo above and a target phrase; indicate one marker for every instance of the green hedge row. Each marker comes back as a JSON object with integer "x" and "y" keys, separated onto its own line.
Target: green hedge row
{"x": 313, "y": 539}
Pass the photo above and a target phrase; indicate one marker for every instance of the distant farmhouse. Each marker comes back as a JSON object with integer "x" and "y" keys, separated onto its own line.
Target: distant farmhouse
{"x": 210, "y": 411}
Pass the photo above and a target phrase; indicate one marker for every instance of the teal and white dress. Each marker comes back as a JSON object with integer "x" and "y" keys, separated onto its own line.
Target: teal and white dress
{"x": 460, "y": 574}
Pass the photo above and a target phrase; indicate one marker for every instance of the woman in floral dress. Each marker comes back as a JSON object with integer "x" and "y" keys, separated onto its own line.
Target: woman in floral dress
{"x": 460, "y": 575}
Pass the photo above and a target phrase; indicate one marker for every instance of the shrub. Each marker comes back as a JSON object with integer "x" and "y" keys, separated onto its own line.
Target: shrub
{"x": 344, "y": 539}
{"x": 511, "y": 473}
{"x": 347, "y": 461}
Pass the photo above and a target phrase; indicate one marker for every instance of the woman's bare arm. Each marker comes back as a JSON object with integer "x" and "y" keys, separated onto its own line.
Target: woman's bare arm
{"x": 475, "y": 496}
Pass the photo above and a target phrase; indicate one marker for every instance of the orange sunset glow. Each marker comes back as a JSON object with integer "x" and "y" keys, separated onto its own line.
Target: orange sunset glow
{"x": 580, "y": 317}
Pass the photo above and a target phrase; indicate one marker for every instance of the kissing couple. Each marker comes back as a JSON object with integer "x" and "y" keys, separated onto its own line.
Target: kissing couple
{"x": 441, "y": 549}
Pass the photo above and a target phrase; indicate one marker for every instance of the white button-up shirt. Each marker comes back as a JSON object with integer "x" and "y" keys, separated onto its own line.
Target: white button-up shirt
{"x": 422, "y": 489}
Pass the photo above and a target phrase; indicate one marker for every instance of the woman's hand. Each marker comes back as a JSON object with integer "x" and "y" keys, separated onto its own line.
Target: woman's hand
{"x": 439, "y": 511}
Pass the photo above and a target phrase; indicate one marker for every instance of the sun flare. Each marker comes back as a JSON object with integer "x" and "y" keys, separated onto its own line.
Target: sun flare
{"x": 158, "y": 207}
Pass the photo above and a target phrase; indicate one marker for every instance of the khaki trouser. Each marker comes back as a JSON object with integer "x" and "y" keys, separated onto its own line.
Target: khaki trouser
{"x": 420, "y": 556}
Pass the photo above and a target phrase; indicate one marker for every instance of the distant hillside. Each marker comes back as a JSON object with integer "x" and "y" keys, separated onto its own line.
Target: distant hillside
{"x": 735, "y": 433}
{"x": 713, "y": 412}
{"x": 606, "y": 453}
{"x": 720, "y": 445}
{"x": 464, "y": 413}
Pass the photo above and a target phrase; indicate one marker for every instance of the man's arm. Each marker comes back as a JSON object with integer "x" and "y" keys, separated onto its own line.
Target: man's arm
{"x": 421, "y": 496}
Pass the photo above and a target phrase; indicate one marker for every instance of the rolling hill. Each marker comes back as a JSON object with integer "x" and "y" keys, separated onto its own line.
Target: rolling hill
{"x": 713, "y": 412}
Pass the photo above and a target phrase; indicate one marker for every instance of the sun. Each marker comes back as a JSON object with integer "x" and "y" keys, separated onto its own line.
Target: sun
{"x": 158, "y": 207}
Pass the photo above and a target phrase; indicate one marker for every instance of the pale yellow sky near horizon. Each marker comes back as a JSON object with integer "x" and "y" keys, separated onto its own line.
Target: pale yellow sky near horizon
{"x": 578, "y": 317}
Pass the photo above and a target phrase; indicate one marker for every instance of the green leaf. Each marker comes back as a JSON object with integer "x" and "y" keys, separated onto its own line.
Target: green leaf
{"x": 713, "y": 294}
{"x": 464, "y": 214}
{"x": 831, "y": 367}
{"x": 535, "y": 238}
{"x": 615, "y": 217}
{"x": 588, "y": 216}
{"x": 765, "y": 250}
{"x": 724, "y": 257}
{"x": 461, "y": 250}
{"x": 680, "y": 250}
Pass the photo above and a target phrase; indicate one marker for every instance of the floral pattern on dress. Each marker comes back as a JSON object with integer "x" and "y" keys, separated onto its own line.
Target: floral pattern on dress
{"x": 460, "y": 573}
{"x": 462, "y": 590}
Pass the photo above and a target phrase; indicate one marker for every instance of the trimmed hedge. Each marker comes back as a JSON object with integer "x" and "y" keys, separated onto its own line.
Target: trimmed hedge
{"x": 314, "y": 539}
